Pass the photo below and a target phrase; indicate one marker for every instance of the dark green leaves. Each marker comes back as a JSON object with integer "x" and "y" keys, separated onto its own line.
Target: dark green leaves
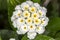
{"x": 43, "y": 37}
{"x": 3, "y": 4}
{"x": 37, "y": 1}
{"x": 53, "y": 26}
{"x": 7, "y": 34}
{"x": 11, "y": 6}
{"x": 0, "y": 38}
{"x": 39, "y": 37}
{"x": 24, "y": 37}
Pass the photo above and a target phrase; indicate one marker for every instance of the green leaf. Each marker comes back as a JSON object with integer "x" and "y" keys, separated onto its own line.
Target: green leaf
{"x": 57, "y": 39}
{"x": 37, "y": 1}
{"x": 39, "y": 37}
{"x": 24, "y": 37}
{"x": 53, "y": 26}
{"x": 7, "y": 34}
{"x": 57, "y": 36}
{"x": 0, "y": 38}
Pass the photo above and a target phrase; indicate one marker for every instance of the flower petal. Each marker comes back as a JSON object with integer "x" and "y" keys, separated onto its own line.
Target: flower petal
{"x": 31, "y": 35}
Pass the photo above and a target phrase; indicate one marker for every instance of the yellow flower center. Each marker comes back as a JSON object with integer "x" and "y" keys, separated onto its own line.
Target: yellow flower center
{"x": 26, "y": 7}
{"x": 26, "y": 14}
{"x": 21, "y": 20}
{"x": 35, "y": 15}
{"x": 36, "y": 21}
{"x": 18, "y": 14}
{"x": 42, "y": 22}
{"x": 29, "y": 20}
{"x": 31, "y": 26}
{"x": 40, "y": 13}
{"x": 33, "y": 9}
{"x": 24, "y": 27}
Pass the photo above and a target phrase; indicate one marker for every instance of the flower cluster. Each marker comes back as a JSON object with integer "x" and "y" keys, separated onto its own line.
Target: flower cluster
{"x": 30, "y": 18}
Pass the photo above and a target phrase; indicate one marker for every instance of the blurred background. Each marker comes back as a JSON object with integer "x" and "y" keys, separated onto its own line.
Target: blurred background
{"x": 4, "y": 24}
{"x": 53, "y": 11}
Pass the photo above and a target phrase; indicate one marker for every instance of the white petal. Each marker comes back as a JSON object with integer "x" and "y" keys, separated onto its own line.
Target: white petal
{"x": 20, "y": 23}
{"x": 13, "y": 18}
{"x": 31, "y": 29}
{"x": 29, "y": 2}
{"x": 12, "y": 39}
{"x": 14, "y": 24}
{"x": 18, "y": 7}
{"x": 40, "y": 30}
{"x": 24, "y": 4}
{"x": 23, "y": 30}
{"x": 44, "y": 10}
{"x": 31, "y": 35}
{"x": 19, "y": 32}
{"x": 45, "y": 24}
{"x": 46, "y": 21}
{"x": 37, "y": 5}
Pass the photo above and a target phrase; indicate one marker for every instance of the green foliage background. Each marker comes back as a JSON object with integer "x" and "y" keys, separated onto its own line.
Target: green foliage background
{"x": 52, "y": 30}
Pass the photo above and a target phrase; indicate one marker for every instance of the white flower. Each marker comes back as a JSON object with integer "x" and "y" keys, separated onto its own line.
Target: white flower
{"x": 18, "y": 7}
{"x": 35, "y": 15}
{"x": 37, "y": 5}
{"x": 13, "y": 18}
{"x": 29, "y": 20}
{"x": 40, "y": 29}
{"x": 44, "y": 21}
{"x": 19, "y": 32}
{"x": 31, "y": 35}
{"x": 24, "y": 6}
{"x": 43, "y": 8}
{"x": 29, "y": 2}
{"x": 23, "y": 29}
{"x": 37, "y": 21}
{"x": 14, "y": 24}
{"x": 32, "y": 9}
{"x": 12, "y": 39}
{"x": 17, "y": 13}
{"x": 26, "y": 14}
{"x": 20, "y": 21}
{"x": 31, "y": 28}
{"x": 41, "y": 13}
